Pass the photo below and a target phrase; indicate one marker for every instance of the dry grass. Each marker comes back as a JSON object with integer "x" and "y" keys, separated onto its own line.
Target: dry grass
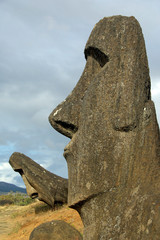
{"x": 21, "y": 220}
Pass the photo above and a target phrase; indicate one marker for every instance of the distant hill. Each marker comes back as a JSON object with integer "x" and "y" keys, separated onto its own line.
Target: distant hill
{"x": 8, "y": 187}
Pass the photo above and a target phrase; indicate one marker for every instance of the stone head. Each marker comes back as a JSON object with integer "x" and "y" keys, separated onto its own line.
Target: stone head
{"x": 39, "y": 182}
{"x": 106, "y": 105}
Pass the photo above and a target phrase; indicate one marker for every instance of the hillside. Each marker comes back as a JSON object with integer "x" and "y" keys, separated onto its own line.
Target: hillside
{"x": 8, "y": 187}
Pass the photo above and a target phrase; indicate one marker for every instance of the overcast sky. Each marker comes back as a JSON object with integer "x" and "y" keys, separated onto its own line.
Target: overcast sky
{"x": 41, "y": 60}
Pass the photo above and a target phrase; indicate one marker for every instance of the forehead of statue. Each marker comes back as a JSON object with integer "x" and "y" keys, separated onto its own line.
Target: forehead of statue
{"x": 113, "y": 34}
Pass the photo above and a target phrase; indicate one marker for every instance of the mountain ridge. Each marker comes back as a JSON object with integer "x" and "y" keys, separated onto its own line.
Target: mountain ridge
{"x": 8, "y": 187}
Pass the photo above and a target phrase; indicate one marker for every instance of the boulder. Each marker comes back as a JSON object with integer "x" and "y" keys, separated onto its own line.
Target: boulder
{"x": 55, "y": 230}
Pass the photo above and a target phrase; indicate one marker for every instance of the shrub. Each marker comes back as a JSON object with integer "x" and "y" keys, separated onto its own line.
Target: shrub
{"x": 5, "y": 202}
{"x": 17, "y": 198}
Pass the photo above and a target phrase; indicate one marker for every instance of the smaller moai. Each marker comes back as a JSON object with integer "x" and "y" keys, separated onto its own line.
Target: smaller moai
{"x": 39, "y": 182}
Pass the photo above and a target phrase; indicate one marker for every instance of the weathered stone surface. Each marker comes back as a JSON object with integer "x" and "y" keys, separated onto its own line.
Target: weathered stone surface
{"x": 114, "y": 154}
{"x": 55, "y": 230}
{"x": 39, "y": 182}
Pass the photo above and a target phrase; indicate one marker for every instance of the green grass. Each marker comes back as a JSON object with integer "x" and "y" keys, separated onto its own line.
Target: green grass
{"x": 17, "y": 198}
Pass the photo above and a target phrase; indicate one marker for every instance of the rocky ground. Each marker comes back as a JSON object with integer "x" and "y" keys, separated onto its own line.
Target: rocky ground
{"x": 17, "y": 222}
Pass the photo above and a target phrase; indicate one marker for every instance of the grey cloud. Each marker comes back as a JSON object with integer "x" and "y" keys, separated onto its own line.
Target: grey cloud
{"x": 41, "y": 60}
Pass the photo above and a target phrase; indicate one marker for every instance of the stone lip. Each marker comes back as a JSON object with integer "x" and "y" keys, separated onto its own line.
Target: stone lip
{"x": 48, "y": 187}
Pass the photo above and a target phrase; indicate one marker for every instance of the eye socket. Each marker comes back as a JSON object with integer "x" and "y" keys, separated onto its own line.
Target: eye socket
{"x": 20, "y": 171}
{"x": 99, "y": 56}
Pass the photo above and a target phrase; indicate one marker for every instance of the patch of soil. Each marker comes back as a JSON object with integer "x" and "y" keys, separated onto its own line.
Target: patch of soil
{"x": 5, "y": 222}
{"x": 17, "y": 222}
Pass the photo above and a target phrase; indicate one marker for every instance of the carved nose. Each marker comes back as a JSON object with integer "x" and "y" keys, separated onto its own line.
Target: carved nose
{"x": 34, "y": 195}
{"x": 30, "y": 190}
{"x": 65, "y": 116}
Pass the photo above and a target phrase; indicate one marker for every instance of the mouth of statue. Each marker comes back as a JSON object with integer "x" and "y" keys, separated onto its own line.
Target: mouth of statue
{"x": 66, "y": 152}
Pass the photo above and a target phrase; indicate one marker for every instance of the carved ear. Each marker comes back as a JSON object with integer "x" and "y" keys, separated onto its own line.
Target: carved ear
{"x": 132, "y": 88}
{"x": 125, "y": 109}
{"x": 131, "y": 96}
{"x": 128, "y": 111}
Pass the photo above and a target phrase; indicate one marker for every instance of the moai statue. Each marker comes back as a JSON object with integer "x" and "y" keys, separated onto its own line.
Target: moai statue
{"x": 40, "y": 183}
{"x": 114, "y": 154}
